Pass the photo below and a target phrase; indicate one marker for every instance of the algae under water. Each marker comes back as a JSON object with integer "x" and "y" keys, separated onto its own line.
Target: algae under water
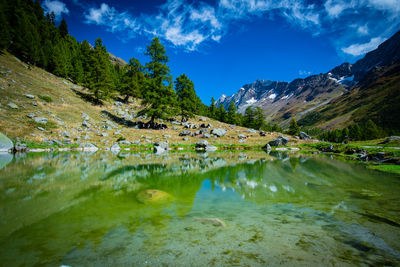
{"x": 218, "y": 209}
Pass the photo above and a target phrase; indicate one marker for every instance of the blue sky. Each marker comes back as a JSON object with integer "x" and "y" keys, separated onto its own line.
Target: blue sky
{"x": 223, "y": 44}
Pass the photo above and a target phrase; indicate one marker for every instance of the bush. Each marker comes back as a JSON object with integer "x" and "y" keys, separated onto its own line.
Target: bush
{"x": 46, "y": 98}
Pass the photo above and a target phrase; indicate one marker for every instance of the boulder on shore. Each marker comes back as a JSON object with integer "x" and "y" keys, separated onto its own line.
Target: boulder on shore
{"x": 280, "y": 141}
{"x": 267, "y": 148}
{"x": 203, "y": 145}
{"x": 5, "y": 143}
{"x": 88, "y": 147}
{"x": 304, "y": 136}
{"x": 218, "y": 132}
{"x": 389, "y": 139}
{"x": 160, "y": 147}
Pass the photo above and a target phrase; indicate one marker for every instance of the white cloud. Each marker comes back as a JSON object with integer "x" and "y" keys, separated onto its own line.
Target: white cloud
{"x": 360, "y": 49}
{"x": 55, "y": 6}
{"x": 188, "y": 24}
{"x": 304, "y": 73}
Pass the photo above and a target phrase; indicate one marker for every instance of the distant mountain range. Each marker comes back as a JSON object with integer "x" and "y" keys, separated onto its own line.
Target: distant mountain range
{"x": 283, "y": 100}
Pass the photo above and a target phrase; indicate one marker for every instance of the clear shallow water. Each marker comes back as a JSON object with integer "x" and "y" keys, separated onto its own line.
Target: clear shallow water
{"x": 84, "y": 210}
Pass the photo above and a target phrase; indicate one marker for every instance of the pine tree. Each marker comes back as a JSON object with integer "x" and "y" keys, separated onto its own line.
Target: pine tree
{"x": 213, "y": 108}
{"x": 259, "y": 120}
{"x": 63, "y": 28}
{"x": 5, "y": 34}
{"x": 158, "y": 94}
{"x": 100, "y": 76}
{"x": 132, "y": 79}
{"x": 232, "y": 115}
{"x": 249, "y": 117}
{"x": 222, "y": 114}
{"x": 371, "y": 131}
{"x": 294, "y": 129}
{"x": 188, "y": 101}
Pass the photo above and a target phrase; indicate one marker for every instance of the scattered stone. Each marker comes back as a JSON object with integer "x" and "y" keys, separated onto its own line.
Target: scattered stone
{"x": 29, "y": 96}
{"x": 41, "y": 129}
{"x": 115, "y": 147}
{"x": 203, "y": 145}
{"x": 389, "y": 139}
{"x": 185, "y": 133}
{"x": 67, "y": 141}
{"x": 175, "y": 128}
{"x": 30, "y": 115}
{"x": 304, "y": 136}
{"x": 160, "y": 147}
{"x": 118, "y": 104}
{"x": 167, "y": 136}
{"x": 218, "y": 132}
{"x": 280, "y": 141}
{"x": 206, "y": 135}
{"x": 185, "y": 139}
{"x": 40, "y": 120}
{"x": 202, "y": 119}
{"x": 203, "y": 125}
{"x": 85, "y": 116}
{"x": 104, "y": 134}
{"x": 86, "y": 137}
{"x": 5, "y": 143}
{"x": 212, "y": 221}
{"x": 88, "y": 147}
{"x": 67, "y": 134}
{"x": 261, "y": 133}
{"x": 12, "y": 105}
{"x": 19, "y": 147}
{"x": 86, "y": 124}
{"x": 242, "y": 136}
{"x": 287, "y": 149}
{"x": 34, "y": 104}
{"x": 251, "y": 131}
{"x": 124, "y": 142}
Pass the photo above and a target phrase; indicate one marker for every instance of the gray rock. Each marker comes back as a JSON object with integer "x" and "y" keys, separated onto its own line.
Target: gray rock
{"x": 202, "y": 119}
{"x": 280, "y": 141}
{"x": 391, "y": 138}
{"x": 185, "y": 133}
{"x": 202, "y": 144}
{"x": 34, "y": 104}
{"x": 19, "y": 147}
{"x": 88, "y": 147}
{"x": 12, "y": 105}
{"x": 124, "y": 142}
{"x": 175, "y": 128}
{"x": 167, "y": 136}
{"x": 40, "y": 120}
{"x": 29, "y": 96}
{"x": 67, "y": 141}
{"x": 56, "y": 142}
{"x": 185, "y": 139}
{"x": 242, "y": 140}
{"x": 104, "y": 134}
{"x": 41, "y": 129}
{"x": 206, "y": 135}
{"x": 85, "y": 116}
{"x": 30, "y": 115}
{"x": 86, "y": 137}
{"x": 251, "y": 131}
{"x": 304, "y": 136}
{"x": 67, "y": 134}
{"x": 115, "y": 147}
{"x": 86, "y": 124}
{"x": 218, "y": 132}
{"x": 242, "y": 136}
{"x": 118, "y": 104}
{"x": 5, "y": 143}
{"x": 160, "y": 147}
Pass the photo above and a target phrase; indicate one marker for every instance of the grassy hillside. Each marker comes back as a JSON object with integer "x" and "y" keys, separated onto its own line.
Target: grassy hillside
{"x": 376, "y": 97}
{"x": 63, "y": 103}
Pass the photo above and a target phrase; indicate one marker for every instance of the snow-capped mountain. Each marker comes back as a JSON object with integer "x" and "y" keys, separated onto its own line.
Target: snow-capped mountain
{"x": 282, "y": 100}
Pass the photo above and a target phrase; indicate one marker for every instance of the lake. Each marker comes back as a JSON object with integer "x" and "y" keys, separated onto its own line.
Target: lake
{"x": 189, "y": 209}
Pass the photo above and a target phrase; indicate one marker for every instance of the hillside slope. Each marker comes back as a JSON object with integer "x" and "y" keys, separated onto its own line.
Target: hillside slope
{"x": 38, "y": 94}
{"x": 376, "y": 97}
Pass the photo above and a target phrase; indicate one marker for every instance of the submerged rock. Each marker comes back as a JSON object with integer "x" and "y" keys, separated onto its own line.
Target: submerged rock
{"x": 153, "y": 196}
{"x": 212, "y": 221}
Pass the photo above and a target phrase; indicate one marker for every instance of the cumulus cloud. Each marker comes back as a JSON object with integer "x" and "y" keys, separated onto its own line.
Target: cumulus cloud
{"x": 55, "y": 6}
{"x": 360, "y": 49}
{"x": 189, "y": 24}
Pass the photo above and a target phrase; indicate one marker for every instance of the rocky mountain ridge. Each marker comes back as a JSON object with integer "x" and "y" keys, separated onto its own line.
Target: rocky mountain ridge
{"x": 282, "y": 100}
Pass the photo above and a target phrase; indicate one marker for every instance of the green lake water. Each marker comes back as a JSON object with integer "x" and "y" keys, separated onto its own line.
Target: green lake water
{"x": 220, "y": 209}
